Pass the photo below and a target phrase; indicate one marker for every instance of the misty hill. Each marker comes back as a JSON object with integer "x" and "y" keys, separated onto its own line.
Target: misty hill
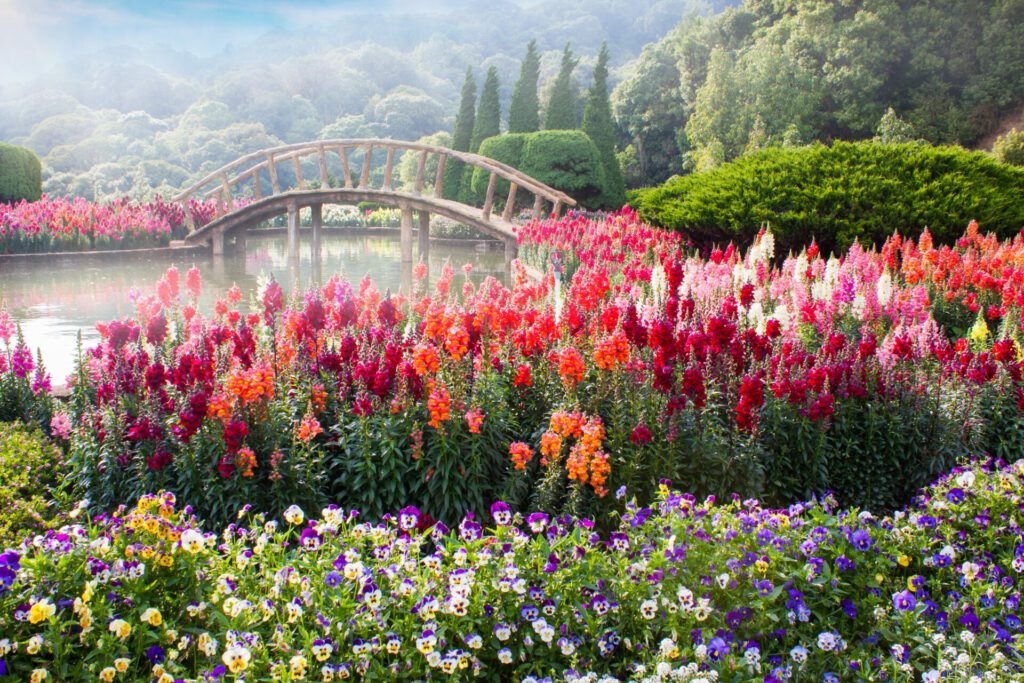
{"x": 138, "y": 119}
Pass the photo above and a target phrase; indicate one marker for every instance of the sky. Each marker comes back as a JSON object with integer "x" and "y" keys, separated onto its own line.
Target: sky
{"x": 40, "y": 34}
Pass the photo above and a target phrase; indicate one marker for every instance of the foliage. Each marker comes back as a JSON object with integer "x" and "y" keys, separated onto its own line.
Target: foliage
{"x": 524, "y": 109}
{"x": 20, "y": 174}
{"x": 894, "y": 130}
{"x": 462, "y": 136}
{"x": 835, "y": 195}
{"x": 831, "y": 70}
{"x": 99, "y": 120}
{"x": 561, "y": 112}
{"x": 30, "y": 467}
{"x": 567, "y": 160}
{"x": 1009, "y": 148}
{"x": 684, "y": 590}
{"x": 410, "y": 162}
{"x": 597, "y": 124}
{"x": 487, "y": 124}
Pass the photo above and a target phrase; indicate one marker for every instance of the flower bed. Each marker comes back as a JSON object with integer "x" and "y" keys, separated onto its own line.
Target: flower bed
{"x": 728, "y": 373}
{"x": 685, "y": 590}
{"x": 60, "y": 224}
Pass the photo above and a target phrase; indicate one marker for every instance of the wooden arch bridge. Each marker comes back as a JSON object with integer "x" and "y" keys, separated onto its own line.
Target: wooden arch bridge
{"x": 245, "y": 177}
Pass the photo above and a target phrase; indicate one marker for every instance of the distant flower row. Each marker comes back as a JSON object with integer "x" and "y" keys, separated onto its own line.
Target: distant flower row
{"x": 61, "y": 224}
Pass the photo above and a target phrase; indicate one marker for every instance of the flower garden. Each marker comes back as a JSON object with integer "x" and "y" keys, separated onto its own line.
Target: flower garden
{"x": 847, "y": 432}
{"x": 63, "y": 224}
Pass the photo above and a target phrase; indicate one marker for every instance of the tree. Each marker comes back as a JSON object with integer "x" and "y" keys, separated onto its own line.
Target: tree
{"x": 462, "y": 136}
{"x": 486, "y": 125}
{"x": 488, "y": 113}
{"x": 1009, "y": 148}
{"x": 524, "y": 111}
{"x": 597, "y": 123}
{"x": 561, "y": 110}
{"x": 410, "y": 163}
{"x": 893, "y": 130}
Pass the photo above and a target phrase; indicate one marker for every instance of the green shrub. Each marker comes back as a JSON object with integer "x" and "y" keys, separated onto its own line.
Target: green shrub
{"x": 567, "y": 160}
{"x": 849, "y": 191}
{"x": 20, "y": 174}
{"x": 1009, "y": 148}
{"x": 30, "y": 467}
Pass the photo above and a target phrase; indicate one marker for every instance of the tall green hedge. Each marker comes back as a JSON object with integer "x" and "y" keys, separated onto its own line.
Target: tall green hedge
{"x": 567, "y": 160}
{"x": 837, "y": 194}
{"x": 21, "y": 175}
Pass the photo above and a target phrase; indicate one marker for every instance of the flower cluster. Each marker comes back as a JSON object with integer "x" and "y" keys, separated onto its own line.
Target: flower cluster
{"x": 684, "y": 590}
{"x": 730, "y": 371}
{"x": 62, "y": 224}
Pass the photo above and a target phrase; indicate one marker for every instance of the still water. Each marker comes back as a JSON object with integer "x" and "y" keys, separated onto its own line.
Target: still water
{"x": 55, "y": 300}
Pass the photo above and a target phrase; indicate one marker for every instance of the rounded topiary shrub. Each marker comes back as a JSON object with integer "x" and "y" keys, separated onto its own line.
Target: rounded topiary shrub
{"x": 21, "y": 174}
{"x": 567, "y": 160}
{"x": 841, "y": 193}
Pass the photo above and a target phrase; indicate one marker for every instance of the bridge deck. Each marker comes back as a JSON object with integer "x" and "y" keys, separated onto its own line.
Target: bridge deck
{"x": 269, "y": 207}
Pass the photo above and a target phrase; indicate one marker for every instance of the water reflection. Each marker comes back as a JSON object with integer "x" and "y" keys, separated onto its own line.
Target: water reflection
{"x": 56, "y": 300}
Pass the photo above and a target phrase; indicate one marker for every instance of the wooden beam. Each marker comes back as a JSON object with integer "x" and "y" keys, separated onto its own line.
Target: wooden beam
{"x": 439, "y": 176}
{"x": 489, "y": 199}
{"x": 275, "y": 184}
{"x": 186, "y": 208}
{"x": 293, "y": 231}
{"x": 389, "y": 167}
{"x": 424, "y": 236}
{"x": 257, "y": 186}
{"x": 345, "y": 171}
{"x": 364, "y": 177}
{"x": 405, "y": 236}
{"x": 538, "y": 206}
{"x": 299, "y": 182}
{"x": 418, "y": 185}
{"x": 557, "y": 209}
{"x": 228, "y": 199}
{"x": 325, "y": 181}
{"x": 510, "y": 202}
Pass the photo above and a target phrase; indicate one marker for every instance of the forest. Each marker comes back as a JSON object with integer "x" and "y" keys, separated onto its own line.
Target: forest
{"x": 395, "y": 75}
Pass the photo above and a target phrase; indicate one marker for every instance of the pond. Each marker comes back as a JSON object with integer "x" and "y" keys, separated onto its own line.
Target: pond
{"x": 56, "y": 300}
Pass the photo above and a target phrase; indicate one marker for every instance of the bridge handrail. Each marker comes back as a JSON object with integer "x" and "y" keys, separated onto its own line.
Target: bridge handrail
{"x": 295, "y": 150}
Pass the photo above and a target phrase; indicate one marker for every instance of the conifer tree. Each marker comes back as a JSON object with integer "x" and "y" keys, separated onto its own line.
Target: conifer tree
{"x": 597, "y": 124}
{"x": 524, "y": 111}
{"x": 561, "y": 111}
{"x": 462, "y": 137}
{"x": 488, "y": 113}
{"x": 486, "y": 125}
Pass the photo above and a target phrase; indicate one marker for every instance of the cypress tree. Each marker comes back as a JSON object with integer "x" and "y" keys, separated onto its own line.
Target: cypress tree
{"x": 488, "y": 113}
{"x": 524, "y": 111}
{"x": 461, "y": 137}
{"x": 561, "y": 112}
{"x": 597, "y": 124}
{"x": 486, "y": 125}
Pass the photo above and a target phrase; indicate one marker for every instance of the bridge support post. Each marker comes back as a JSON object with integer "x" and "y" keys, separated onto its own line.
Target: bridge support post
{"x": 293, "y": 231}
{"x": 217, "y": 240}
{"x": 511, "y": 251}
{"x": 317, "y": 211}
{"x": 240, "y": 235}
{"x": 424, "y": 236}
{"x": 406, "y": 233}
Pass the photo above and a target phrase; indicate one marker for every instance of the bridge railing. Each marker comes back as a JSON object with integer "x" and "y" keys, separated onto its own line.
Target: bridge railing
{"x": 224, "y": 183}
